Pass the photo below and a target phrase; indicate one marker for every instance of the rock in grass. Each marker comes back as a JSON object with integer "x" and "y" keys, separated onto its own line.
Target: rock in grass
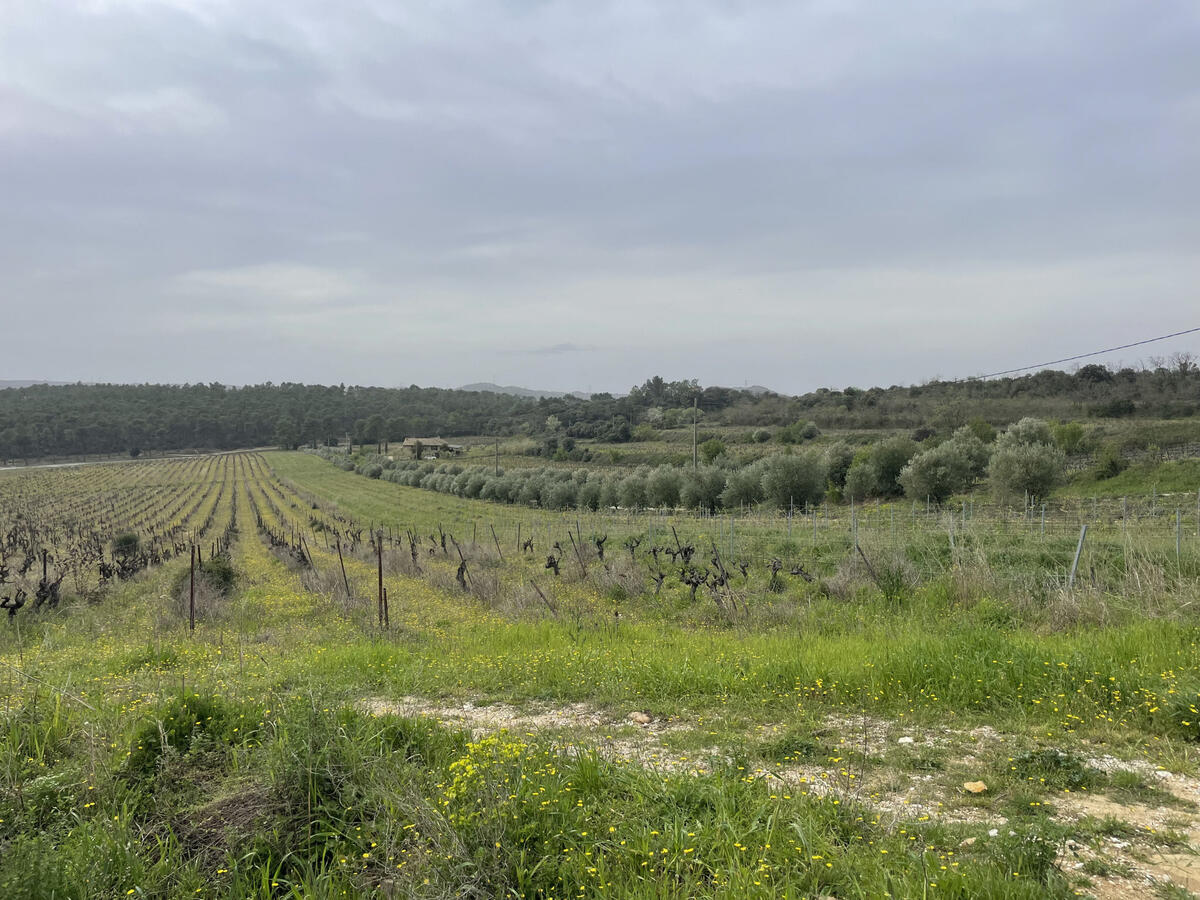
{"x": 975, "y": 787}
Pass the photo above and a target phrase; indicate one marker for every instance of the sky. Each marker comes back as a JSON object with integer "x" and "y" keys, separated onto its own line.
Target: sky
{"x": 579, "y": 196}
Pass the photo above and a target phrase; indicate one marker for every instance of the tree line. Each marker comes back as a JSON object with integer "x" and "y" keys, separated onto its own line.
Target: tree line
{"x": 1024, "y": 462}
{"x": 80, "y": 419}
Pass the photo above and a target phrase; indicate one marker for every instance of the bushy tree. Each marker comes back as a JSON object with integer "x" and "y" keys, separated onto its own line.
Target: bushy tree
{"x": 798, "y": 479}
{"x": 633, "y": 490}
{"x": 1020, "y": 470}
{"x": 1026, "y": 462}
{"x": 839, "y": 457}
{"x": 711, "y": 449}
{"x": 561, "y": 494}
{"x": 797, "y": 432}
{"x": 589, "y": 494}
{"x": 610, "y": 492}
{"x": 531, "y": 490}
{"x": 967, "y": 439}
{"x": 982, "y": 429}
{"x": 663, "y": 486}
{"x": 702, "y": 488}
{"x": 939, "y": 472}
{"x": 743, "y": 487}
{"x": 888, "y": 459}
{"x": 1027, "y": 431}
{"x": 862, "y": 480}
{"x": 287, "y": 433}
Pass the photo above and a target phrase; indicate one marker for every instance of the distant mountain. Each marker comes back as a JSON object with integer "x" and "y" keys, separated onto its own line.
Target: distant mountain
{"x": 512, "y": 389}
{"x": 27, "y": 382}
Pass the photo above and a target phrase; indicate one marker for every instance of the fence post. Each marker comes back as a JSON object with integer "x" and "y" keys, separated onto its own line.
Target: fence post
{"x": 1078, "y": 551}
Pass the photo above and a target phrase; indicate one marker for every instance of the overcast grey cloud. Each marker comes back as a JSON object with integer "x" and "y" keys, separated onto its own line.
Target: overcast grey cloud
{"x": 583, "y": 195}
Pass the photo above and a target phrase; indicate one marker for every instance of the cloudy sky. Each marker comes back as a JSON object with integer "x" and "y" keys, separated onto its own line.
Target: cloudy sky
{"x": 581, "y": 195}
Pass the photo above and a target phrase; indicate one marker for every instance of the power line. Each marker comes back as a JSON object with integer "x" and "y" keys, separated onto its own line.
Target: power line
{"x": 1055, "y": 362}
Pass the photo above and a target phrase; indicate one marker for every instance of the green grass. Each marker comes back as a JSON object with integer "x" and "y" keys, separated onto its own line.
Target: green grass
{"x": 1176, "y": 477}
{"x": 138, "y": 760}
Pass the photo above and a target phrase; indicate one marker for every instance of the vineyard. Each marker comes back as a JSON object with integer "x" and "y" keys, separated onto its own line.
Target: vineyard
{"x": 254, "y": 674}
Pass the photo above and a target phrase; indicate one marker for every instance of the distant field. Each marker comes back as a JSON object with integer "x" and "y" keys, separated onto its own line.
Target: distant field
{"x": 934, "y": 712}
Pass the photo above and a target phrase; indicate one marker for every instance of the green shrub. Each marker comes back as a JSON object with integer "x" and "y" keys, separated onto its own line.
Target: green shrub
{"x": 711, "y": 449}
{"x": 938, "y": 473}
{"x": 797, "y": 432}
{"x": 743, "y": 487}
{"x": 838, "y": 459}
{"x": 888, "y": 459}
{"x": 1028, "y": 856}
{"x": 644, "y": 433}
{"x": 862, "y": 480}
{"x": 178, "y": 724}
{"x": 1069, "y": 437}
{"x": 633, "y": 491}
{"x": 1053, "y": 769}
{"x": 126, "y": 544}
{"x": 1109, "y": 462}
{"x": 219, "y": 572}
{"x": 1183, "y": 711}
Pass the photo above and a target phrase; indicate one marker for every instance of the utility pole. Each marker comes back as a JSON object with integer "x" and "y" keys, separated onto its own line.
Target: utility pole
{"x": 497, "y": 456}
{"x": 695, "y": 458}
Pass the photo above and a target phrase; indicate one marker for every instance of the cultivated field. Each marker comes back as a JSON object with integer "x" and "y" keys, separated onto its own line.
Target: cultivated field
{"x": 394, "y": 692}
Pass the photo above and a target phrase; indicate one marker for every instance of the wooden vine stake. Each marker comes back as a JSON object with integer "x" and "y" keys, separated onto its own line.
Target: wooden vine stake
{"x": 342, "y": 562}
{"x": 192, "y": 594}
{"x": 379, "y": 557}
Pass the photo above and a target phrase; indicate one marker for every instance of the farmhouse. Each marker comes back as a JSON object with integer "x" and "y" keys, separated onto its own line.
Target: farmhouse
{"x": 433, "y": 447}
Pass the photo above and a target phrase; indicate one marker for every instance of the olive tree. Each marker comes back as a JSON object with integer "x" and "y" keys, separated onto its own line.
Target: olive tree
{"x": 663, "y": 485}
{"x": 702, "y": 488}
{"x": 862, "y": 480}
{"x": 939, "y": 472}
{"x": 1026, "y": 462}
{"x": 798, "y": 479}
{"x": 875, "y": 472}
{"x": 1026, "y": 470}
{"x": 743, "y": 487}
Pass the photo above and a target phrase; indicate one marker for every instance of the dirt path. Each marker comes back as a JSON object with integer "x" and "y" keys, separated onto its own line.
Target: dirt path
{"x": 1137, "y": 850}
